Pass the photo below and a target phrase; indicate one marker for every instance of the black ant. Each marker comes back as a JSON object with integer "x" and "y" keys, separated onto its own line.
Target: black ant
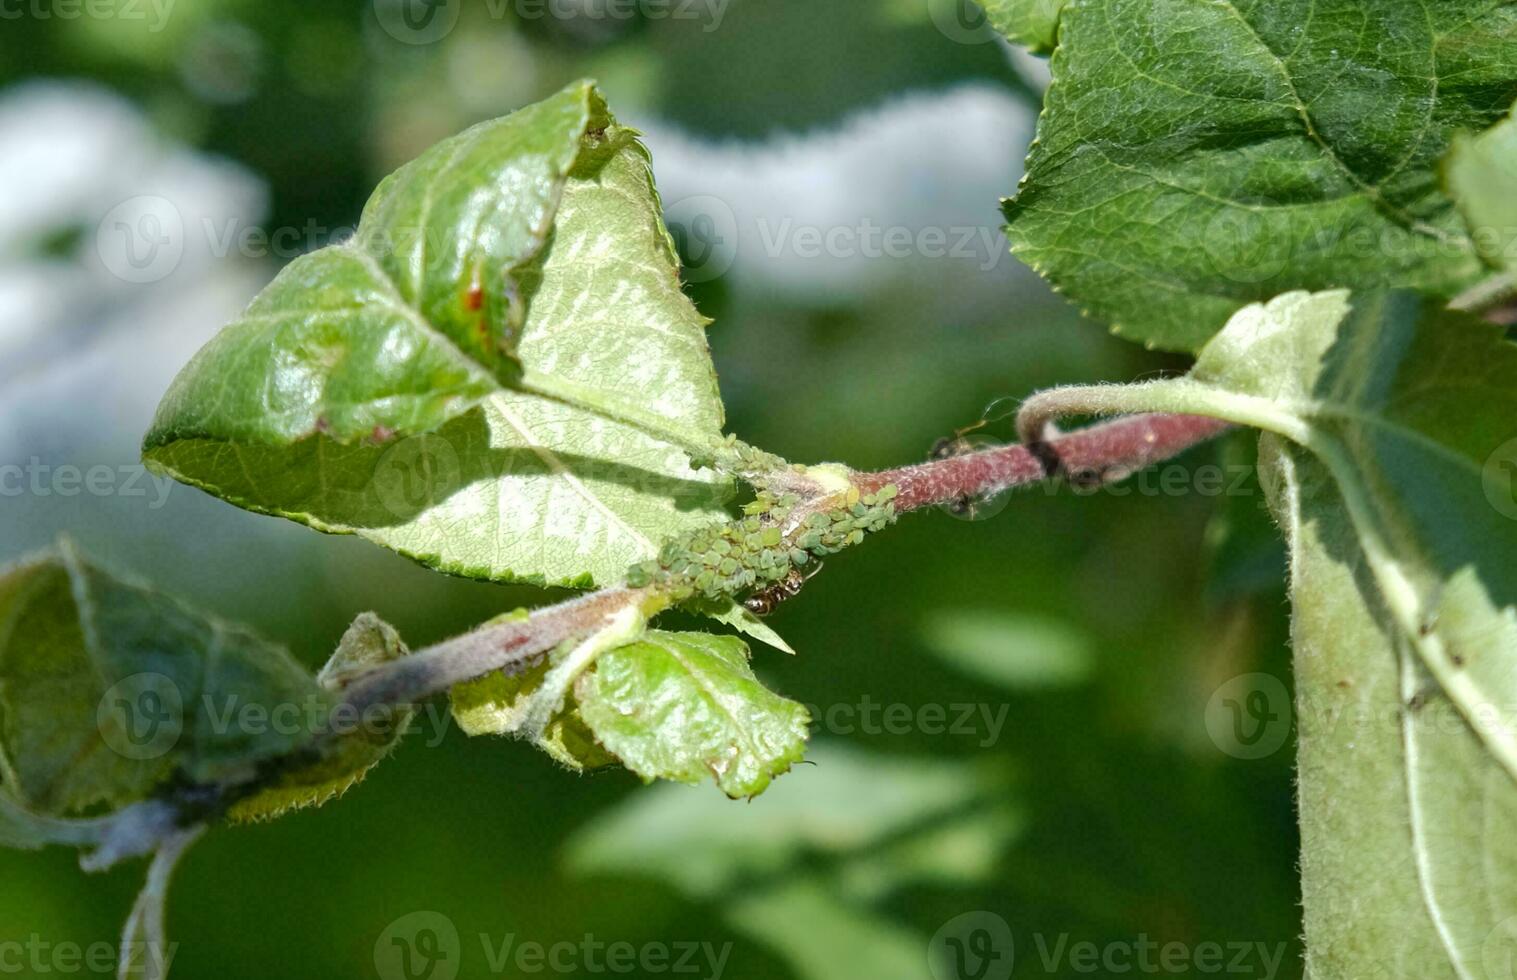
{"x": 956, "y": 445}
{"x": 762, "y": 602}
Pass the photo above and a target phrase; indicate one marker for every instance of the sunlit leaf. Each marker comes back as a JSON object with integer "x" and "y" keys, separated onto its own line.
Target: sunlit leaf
{"x": 1196, "y": 157}
{"x": 1409, "y": 865}
{"x": 498, "y": 705}
{"x": 383, "y": 387}
{"x": 1017, "y": 652}
{"x": 1399, "y": 500}
{"x": 686, "y": 707}
{"x": 1032, "y": 23}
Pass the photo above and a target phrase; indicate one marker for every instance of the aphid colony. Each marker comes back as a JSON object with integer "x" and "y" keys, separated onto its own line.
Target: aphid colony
{"x": 751, "y": 555}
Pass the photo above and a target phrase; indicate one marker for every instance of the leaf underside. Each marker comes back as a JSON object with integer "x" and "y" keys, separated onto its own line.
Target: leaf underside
{"x": 1392, "y": 464}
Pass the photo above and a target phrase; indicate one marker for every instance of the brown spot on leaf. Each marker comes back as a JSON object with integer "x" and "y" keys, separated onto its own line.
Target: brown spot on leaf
{"x": 474, "y": 298}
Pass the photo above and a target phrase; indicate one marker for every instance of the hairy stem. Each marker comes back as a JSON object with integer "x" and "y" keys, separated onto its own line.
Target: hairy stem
{"x": 1486, "y": 294}
{"x": 1107, "y": 451}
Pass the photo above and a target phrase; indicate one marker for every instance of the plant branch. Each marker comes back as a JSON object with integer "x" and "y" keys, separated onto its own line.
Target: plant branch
{"x": 1106, "y": 451}
{"x": 1486, "y": 294}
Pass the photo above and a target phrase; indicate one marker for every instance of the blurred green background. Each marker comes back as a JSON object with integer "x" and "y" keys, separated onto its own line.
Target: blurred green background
{"x": 1092, "y": 795}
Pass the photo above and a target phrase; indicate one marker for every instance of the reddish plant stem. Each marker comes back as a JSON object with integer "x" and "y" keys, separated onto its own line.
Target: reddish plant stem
{"x": 1106, "y": 451}
{"x": 1103, "y": 452}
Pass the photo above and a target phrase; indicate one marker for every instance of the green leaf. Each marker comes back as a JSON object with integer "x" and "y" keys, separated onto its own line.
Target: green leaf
{"x": 364, "y": 742}
{"x": 110, "y": 693}
{"x": 803, "y": 868}
{"x": 734, "y": 614}
{"x": 1402, "y": 517}
{"x": 1195, "y": 157}
{"x": 364, "y": 394}
{"x": 686, "y": 706}
{"x": 498, "y": 704}
{"x": 1480, "y": 173}
{"x": 1409, "y": 866}
{"x": 1411, "y": 408}
{"x": 108, "y": 689}
{"x": 1031, "y": 23}
{"x": 822, "y": 937}
{"x": 849, "y": 803}
{"x": 1014, "y": 651}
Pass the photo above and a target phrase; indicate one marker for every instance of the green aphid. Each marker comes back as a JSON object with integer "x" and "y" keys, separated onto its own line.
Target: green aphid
{"x": 638, "y": 576}
{"x": 842, "y": 527}
{"x": 855, "y": 536}
{"x": 771, "y": 536}
{"x": 751, "y": 524}
{"x": 705, "y": 580}
{"x": 798, "y": 557}
{"x": 818, "y": 519}
{"x": 890, "y": 509}
{"x": 888, "y": 491}
{"x": 811, "y": 540}
{"x": 728, "y": 566}
{"x": 858, "y": 509}
{"x": 721, "y": 546}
